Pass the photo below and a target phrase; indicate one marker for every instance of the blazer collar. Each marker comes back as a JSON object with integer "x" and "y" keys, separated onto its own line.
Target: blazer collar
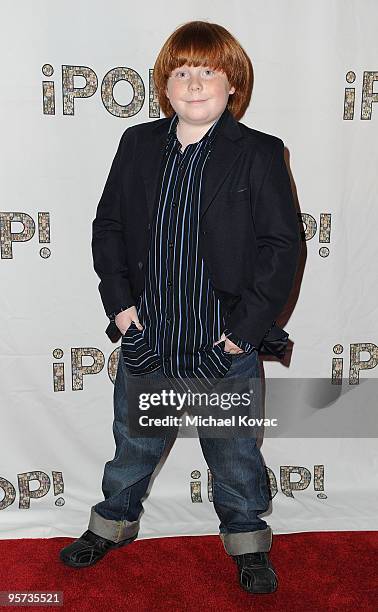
{"x": 225, "y": 152}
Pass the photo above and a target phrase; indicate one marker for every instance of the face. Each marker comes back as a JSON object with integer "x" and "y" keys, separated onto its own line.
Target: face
{"x": 198, "y": 94}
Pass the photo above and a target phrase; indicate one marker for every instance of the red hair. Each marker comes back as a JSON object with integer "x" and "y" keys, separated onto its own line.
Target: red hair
{"x": 199, "y": 43}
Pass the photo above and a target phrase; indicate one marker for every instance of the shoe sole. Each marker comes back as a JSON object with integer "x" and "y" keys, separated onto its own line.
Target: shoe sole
{"x": 67, "y": 561}
{"x": 256, "y": 591}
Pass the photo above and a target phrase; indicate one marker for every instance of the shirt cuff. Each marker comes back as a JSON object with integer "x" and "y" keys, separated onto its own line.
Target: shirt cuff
{"x": 247, "y": 347}
{"x": 112, "y": 315}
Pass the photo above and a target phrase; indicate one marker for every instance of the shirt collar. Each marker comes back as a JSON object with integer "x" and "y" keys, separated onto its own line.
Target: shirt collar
{"x": 210, "y": 134}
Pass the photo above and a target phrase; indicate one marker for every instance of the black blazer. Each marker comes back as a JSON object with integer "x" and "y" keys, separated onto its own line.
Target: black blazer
{"x": 249, "y": 229}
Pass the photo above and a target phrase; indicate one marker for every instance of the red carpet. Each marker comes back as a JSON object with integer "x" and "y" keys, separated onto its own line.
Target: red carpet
{"x": 317, "y": 572}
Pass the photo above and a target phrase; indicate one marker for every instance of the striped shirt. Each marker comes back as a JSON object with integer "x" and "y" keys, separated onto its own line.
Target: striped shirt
{"x": 178, "y": 308}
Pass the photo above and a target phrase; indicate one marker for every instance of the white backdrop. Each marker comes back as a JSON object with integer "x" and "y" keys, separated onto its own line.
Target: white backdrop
{"x": 55, "y": 158}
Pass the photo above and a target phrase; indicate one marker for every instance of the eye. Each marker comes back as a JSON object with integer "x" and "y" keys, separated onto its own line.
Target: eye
{"x": 179, "y": 73}
{"x": 208, "y": 71}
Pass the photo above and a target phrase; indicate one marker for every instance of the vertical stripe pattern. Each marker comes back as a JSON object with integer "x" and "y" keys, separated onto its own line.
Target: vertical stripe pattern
{"x": 178, "y": 308}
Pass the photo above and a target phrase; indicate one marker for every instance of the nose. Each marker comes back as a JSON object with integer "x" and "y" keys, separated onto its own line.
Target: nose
{"x": 195, "y": 83}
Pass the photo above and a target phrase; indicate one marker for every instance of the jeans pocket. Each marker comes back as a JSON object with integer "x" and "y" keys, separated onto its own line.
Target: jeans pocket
{"x": 137, "y": 355}
{"x": 238, "y": 355}
{"x": 215, "y": 363}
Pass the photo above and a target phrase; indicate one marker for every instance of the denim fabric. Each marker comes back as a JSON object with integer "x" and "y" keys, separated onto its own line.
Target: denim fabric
{"x": 240, "y": 485}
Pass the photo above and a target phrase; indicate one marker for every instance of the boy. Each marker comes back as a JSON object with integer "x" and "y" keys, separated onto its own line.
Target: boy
{"x": 196, "y": 243}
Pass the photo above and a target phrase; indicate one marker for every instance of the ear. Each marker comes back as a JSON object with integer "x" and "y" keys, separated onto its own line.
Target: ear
{"x": 232, "y": 90}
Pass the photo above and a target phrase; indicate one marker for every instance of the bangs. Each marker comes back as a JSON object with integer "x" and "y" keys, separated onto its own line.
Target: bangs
{"x": 202, "y": 49}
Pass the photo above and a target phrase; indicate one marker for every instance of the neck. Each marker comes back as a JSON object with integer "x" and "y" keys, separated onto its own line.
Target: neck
{"x": 189, "y": 134}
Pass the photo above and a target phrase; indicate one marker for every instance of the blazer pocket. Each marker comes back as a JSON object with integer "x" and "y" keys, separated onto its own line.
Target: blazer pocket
{"x": 238, "y": 195}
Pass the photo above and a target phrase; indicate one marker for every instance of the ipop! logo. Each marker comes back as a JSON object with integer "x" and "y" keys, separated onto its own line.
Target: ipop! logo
{"x": 368, "y": 96}
{"x": 8, "y": 236}
{"x": 356, "y": 364}
{"x": 79, "y": 369}
{"x": 71, "y": 92}
{"x": 26, "y": 493}
{"x": 292, "y": 478}
{"x": 312, "y": 227}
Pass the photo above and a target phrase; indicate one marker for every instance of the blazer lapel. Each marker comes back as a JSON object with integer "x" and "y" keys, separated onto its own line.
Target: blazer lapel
{"x": 151, "y": 158}
{"x": 224, "y": 154}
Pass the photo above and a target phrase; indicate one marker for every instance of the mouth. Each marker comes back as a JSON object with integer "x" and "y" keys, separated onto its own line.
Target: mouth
{"x": 195, "y": 101}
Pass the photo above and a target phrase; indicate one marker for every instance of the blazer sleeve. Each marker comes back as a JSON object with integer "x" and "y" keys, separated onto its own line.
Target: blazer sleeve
{"x": 108, "y": 248}
{"x": 278, "y": 247}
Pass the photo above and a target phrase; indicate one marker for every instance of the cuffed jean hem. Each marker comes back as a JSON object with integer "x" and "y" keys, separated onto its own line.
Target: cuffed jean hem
{"x": 247, "y": 541}
{"x": 116, "y": 531}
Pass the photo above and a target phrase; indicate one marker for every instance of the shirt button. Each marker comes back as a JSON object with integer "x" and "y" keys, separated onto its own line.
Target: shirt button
{"x": 169, "y": 283}
{"x": 149, "y": 226}
{"x": 204, "y": 233}
{"x": 170, "y": 245}
{"x": 166, "y": 359}
{"x": 169, "y": 319}
{"x": 140, "y": 265}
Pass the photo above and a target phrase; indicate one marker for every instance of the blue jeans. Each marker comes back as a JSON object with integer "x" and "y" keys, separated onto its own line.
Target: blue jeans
{"x": 240, "y": 484}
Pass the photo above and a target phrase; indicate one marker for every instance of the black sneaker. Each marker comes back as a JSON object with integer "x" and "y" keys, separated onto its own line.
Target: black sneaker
{"x": 88, "y": 549}
{"x": 256, "y": 573}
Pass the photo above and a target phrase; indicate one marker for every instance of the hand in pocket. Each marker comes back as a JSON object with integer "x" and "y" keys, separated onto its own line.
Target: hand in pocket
{"x": 229, "y": 347}
{"x": 124, "y": 319}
